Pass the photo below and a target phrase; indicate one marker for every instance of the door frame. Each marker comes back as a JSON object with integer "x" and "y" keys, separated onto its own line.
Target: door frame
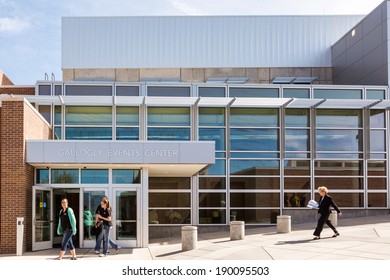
{"x": 88, "y": 243}
{"x": 128, "y": 243}
{"x": 44, "y": 244}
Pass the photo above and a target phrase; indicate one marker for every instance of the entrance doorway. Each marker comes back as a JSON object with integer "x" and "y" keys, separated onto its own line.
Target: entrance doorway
{"x": 73, "y": 196}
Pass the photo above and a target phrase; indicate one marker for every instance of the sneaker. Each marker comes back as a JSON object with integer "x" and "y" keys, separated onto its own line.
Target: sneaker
{"x": 117, "y": 250}
{"x": 316, "y": 238}
{"x": 335, "y": 234}
{"x": 103, "y": 255}
{"x": 97, "y": 252}
{"x": 74, "y": 258}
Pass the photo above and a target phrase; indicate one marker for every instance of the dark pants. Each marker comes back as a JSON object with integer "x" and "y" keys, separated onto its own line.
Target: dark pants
{"x": 324, "y": 219}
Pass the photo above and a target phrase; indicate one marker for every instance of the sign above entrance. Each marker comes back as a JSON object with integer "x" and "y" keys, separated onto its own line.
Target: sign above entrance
{"x": 106, "y": 152}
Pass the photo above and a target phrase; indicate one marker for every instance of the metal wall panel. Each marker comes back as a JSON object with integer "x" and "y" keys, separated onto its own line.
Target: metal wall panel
{"x": 201, "y": 42}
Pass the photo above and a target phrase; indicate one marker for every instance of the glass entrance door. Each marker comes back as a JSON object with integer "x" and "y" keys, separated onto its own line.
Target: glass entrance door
{"x": 42, "y": 219}
{"x": 126, "y": 211}
{"x": 90, "y": 201}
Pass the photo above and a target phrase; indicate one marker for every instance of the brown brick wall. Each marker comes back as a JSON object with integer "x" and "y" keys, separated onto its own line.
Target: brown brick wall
{"x": 17, "y": 90}
{"x": 18, "y": 121}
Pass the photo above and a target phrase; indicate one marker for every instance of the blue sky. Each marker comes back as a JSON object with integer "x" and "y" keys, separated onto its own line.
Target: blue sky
{"x": 30, "y": 30}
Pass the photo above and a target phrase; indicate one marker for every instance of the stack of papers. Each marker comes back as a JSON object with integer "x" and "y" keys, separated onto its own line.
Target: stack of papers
{"x": 312, "y": 204}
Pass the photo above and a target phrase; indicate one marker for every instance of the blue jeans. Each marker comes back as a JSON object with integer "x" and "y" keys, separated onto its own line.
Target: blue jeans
{"x": 101, "y": 239}
{"x": 67, "y": 238}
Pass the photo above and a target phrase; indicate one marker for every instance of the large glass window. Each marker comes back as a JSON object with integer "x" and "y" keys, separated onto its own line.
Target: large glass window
{"x": 168, "y": 91}
{"x": 245, "y": 117}
{"x": 88, "y": 133}
{"x": 254, "y": 92}
{"x": 161, "y": 116}
{"x": 252, "y": 139}
{"x": 94, "y": 176}
{"x": 255, "y": 199}
{"x": 213, "y": 134}
{"x": 88, "y": 90}
{"x": 339, "y": 118}
{"x": 296, "y": 93}
{"x": 211, "y": 91}
{"x": 64, "y": 176}
{"x": 254, "y": 183}
{"x": 338, "y": 168}
{"x": 82, "y": 115}
{"x": 338, "y": 93}
{"x": 218, "y": 168}
{"x": 339, "y": 140}
{"x": 211, "y": 116}
{"x": 297, "y": 118}
{"x": 297, "y": 140}
{"x": 254, "y": 167}
{"x": 126, "y": 176}
{"x": 169, "y": 200}
{"x": 127, "y": 116}
{"x": 212, "y": 183}
{"x": 254, "y": 216}
{"x": 42, "y": 176}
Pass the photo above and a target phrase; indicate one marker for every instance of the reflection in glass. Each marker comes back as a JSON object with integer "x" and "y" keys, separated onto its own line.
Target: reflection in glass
{"x": 254, "y": 183}
{"x": 168, "y": 116}
{"x": 42, "y": 176}
{"x": 218, "y": 168}
{"x": 45, "y": 111}
{"x": 296, "y": 167}
{"x": 296, "y": 93}
{"x": 171, "y": 183}
{"x": 340, "y": 183}
{"x": 91, "y": 202}
{"x": 213, "y": 134}
{"x": 254, "y": 216}
{"x": 42, "y": 215}
{"x": 376, "y": 168}
{"x": 377, "y": 141}
{"x": 377, "y": 183}
{"x": 212, "y": 199}
{"x": 254, "y": 167}
{"x": 88, "y": 133}
{"x": 94, "y": 176}
{"x": 252, "y": 139}
{"x": 263, "y": 154}
{"x": 249, "y": 117}
{"x": 212, "y": 183}
{"x": 253, "y": 92}
{"x": 211, "y": 91}
{"x": 375, "y": 94}
{"x": 296, "y": 199}
{"x": 91, "y": 115}
{"x": 297, "y": 118}
{"x": 297, "y": 140}
{"x": 169, "y": 216}
{"x": 339, "y": 118}
{"x": 255, "y": 199}
{"x": 126, "y": 176}
{"x": 377, "y": 200}
{"x": 168, "y": 134}
{"x": 352, "y": 199}
{"x": 169, "y": 200}
{"x": 339, "y": 140}
{"x": 57, "y": 115}
{"x": 338, "y": 93}
{"x": 377, "y": 118}
{"x": 127, "y": 116}
{"x": 338, "y": 168}
{"x": 127, "y": 133}
{"x": 64, "y": 176}
{"x": 126, "y": 215}
{"x": 211, "y": 116}
{"x": 297, "y": 183}
{"x": 212, "y": 216}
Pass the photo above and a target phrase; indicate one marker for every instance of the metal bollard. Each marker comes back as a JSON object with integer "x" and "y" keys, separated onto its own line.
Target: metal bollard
{"x": 189, "y": 237}
{"x": 237, "y": 230}
{"x": 19, "y": 235}
{"x": 283, "y": 224}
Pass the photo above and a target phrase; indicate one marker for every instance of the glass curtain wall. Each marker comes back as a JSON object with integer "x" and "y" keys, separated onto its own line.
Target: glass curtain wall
{"x": 254, "y": 165}
{"x": 212, "y": 181}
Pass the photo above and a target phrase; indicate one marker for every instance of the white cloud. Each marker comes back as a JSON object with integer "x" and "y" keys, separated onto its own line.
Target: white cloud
{"x": 13, "y": 25}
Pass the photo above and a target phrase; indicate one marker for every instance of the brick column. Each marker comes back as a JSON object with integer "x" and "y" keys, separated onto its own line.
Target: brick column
{"x": 18, "y": 121}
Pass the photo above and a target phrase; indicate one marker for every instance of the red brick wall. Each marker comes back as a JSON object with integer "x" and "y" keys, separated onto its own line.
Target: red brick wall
{"x": 18, "y": 121}
{"x": 17, "y": 90}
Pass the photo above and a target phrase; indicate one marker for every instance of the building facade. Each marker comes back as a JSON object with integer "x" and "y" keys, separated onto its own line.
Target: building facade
{"x": 194, "y": 121}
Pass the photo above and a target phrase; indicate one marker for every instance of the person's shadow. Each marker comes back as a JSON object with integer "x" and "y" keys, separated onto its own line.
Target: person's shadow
{"x": 299, "y": 241}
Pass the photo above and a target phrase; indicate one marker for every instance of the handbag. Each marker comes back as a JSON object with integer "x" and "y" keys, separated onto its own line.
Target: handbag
{"x": 97, "y": 228}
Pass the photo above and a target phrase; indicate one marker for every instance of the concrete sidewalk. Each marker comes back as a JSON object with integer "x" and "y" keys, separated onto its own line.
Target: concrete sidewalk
{"x": 366, "y": 238}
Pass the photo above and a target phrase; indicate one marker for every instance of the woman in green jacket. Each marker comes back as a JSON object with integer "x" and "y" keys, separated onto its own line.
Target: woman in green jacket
{"x": 66, "y": 227}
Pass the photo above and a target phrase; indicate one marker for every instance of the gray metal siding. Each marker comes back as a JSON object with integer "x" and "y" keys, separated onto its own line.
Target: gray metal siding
{"x": 201, "y": 42}
{"x": 363, "y": 59}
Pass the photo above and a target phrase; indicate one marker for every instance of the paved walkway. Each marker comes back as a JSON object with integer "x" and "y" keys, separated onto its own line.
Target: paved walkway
{"x": 366, "y": 238}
